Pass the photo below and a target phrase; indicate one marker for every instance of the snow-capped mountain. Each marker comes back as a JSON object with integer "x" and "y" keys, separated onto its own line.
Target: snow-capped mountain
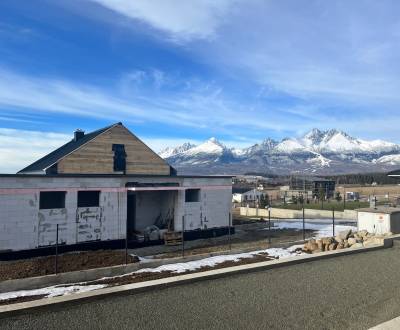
{"x": 321, "y": 152}
{"x": 211, "y": 151}
{"x": 168, "y": 152}
{"x": 333, "y": 141}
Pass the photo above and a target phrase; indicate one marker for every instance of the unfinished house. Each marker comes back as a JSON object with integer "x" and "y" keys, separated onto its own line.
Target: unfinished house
{"x": 102, "y": 187}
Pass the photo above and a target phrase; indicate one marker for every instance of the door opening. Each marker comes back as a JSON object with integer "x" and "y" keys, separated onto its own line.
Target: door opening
{"x": 131, "y": 213}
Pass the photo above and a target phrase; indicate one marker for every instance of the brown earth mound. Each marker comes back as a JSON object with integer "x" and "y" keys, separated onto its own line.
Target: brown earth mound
{"x": 67, "y": 262}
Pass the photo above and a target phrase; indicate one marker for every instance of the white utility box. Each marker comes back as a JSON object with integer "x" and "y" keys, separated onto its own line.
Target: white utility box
{"x": 380, "y": 220}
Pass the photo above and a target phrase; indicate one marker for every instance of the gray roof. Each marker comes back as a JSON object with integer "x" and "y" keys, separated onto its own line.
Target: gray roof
{"x": 43, "y": 163}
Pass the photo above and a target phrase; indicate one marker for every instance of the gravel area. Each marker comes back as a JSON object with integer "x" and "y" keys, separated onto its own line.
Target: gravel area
{"x": 348, "y": 292}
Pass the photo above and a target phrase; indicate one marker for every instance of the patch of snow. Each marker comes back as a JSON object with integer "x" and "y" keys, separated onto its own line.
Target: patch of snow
{"x": 144, "y": 260}
{"x": 389, "y": 160}
{"x": 293, "y": 248}
{"x": 335, "y": 141}
{"x": 238, "y": 152}
{"x": 290, "y": 145}
{"x": 213, "y": 261}
{"x": 52, "y": 291}
{"x": 377, "y": 145}
{"x": 322, "y": 229}
{"x": 319, "y": 160}
{"x": 177, "y": 268}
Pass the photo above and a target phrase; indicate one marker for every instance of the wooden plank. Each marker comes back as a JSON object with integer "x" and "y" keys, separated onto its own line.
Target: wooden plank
{"x": 96, "y": 157}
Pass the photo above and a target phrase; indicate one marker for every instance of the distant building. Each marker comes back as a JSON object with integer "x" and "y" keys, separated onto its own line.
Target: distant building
{"x": 249, "y": 178}
{"x": 312, "y": 185}
{"x": 248, "y": 196}
{"x": 352, "y": 195}
{"x": 394, "y": 174}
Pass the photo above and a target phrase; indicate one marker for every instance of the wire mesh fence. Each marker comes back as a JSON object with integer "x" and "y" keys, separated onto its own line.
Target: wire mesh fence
{"x": 241, "y": 233}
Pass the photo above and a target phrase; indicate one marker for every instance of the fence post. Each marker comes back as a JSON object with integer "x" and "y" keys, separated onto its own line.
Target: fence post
{"x": 56, "y": 265}
{"x": 344, "y": 201}
{"x": 269, "y": 226}
{"x": 229, "y": 230}
{"x": 183, "y": 236}
{"x": 304, "y": 226}
{"x": 333, "y": 222}
{"x": 126, "y": 242}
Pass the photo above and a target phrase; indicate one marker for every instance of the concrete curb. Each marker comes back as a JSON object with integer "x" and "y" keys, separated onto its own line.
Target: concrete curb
{"x": 393, "y": 324}
{"x": 58, "y": 302}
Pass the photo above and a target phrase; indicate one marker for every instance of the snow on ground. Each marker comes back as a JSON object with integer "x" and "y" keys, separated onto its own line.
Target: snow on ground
{"x": 322, "y": 229}
{"x": 51, "y": 291}
{"x": 177, "y": 268}
{"x": 213, "y": 261}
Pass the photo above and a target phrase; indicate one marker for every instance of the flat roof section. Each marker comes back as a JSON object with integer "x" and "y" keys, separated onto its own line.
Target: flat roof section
{"x": 385, "y": 210}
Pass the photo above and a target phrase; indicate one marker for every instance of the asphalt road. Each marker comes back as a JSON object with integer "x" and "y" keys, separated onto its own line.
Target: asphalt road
{"x": 349, "y": 292}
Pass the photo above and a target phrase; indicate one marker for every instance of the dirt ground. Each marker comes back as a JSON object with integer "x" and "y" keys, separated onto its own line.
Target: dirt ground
{"x": 249, "y": 234}
{"x": 140, "y": 277}
{"x": 67, "y": 262}
{"x": 148, "y": 276}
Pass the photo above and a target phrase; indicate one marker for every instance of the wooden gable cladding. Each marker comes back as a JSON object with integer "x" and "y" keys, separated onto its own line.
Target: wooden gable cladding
{"x": 97, "y": 156}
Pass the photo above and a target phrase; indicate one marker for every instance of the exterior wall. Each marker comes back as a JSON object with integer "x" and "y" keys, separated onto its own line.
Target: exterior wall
{"x": 211, "y": 211}
{"x": 89, "y": 221}
{"x": 24, "y": 226}
{"x": 251, "y": 195}
{"x": 97, "y": 156}
{"x": 18, "y": 222}
{"x": 378, "y": 223}
{"x": 296, "y": 214}
{"x": 48, "y": 219}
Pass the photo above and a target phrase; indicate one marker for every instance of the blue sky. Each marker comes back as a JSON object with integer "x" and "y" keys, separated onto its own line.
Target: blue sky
{"x": 174, "y": 71}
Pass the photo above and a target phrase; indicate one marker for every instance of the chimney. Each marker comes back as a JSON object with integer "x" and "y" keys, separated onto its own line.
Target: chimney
{"x": 78, "y": 134}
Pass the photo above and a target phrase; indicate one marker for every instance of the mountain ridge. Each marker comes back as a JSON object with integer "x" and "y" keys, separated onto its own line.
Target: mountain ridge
{"x": 320, "y": 152}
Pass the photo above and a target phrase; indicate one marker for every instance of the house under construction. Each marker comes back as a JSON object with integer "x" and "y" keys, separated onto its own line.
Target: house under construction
{"x": 105, "y": 186}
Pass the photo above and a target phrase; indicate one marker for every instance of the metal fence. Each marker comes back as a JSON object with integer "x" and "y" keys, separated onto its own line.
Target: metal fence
{"x": 240, "y": 234}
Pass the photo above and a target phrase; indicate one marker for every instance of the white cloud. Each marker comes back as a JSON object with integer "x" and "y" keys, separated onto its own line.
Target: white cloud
{"x": 33, "y": 94}
{"x": 311, "y": 55}
{"x": 19, "y": 148}
{"x": 200, "y": 105}
{"x": 324, "y": 52}
{"x": 183, "y": 20}
{"x": 158, "y": 144}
